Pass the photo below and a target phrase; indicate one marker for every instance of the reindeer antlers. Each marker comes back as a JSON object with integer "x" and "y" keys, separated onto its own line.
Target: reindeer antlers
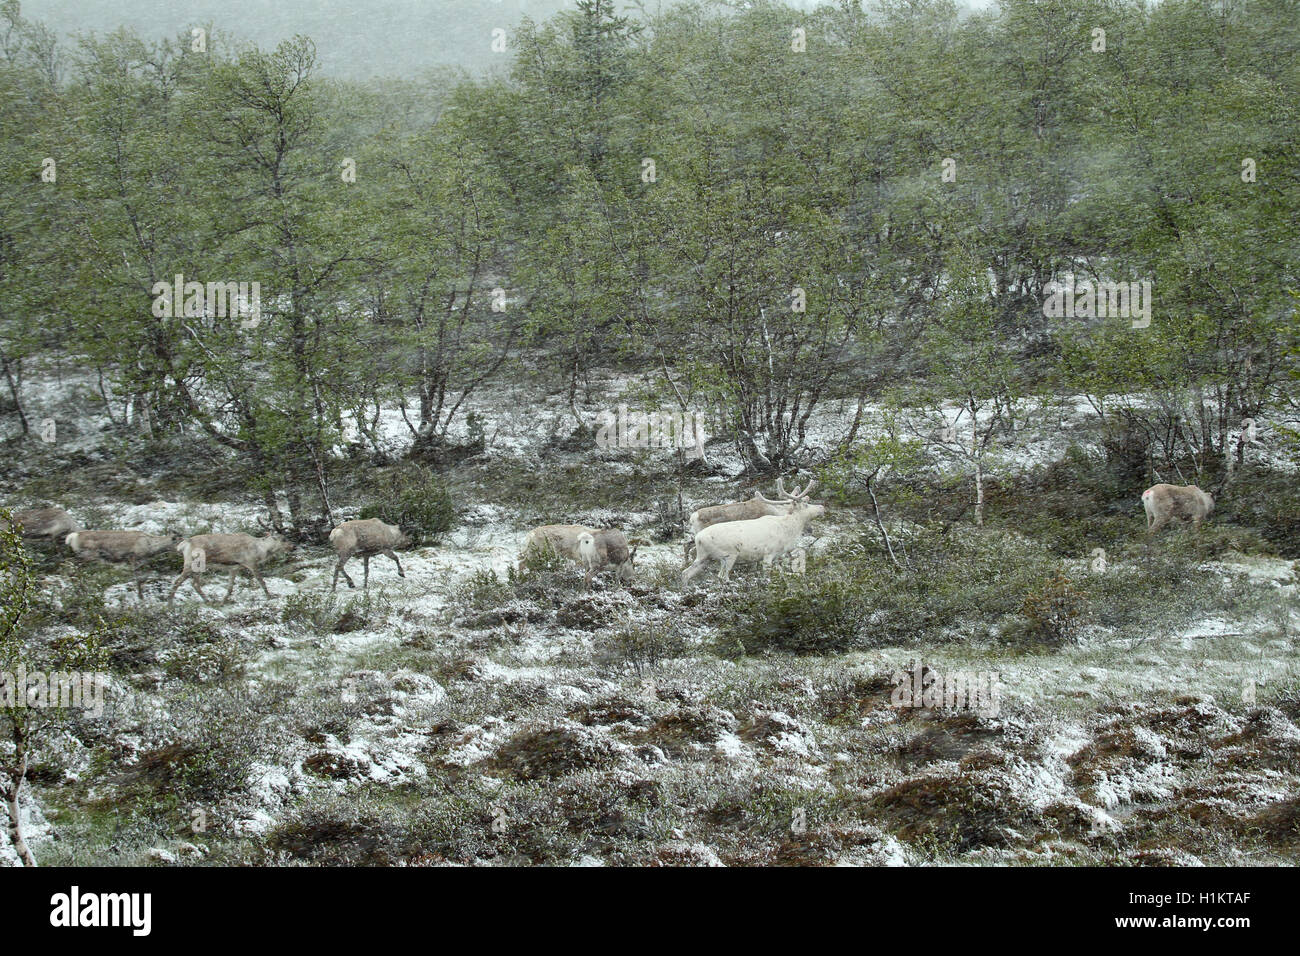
{"x": 264, "y": 526}
{"x": 797, "y": 493}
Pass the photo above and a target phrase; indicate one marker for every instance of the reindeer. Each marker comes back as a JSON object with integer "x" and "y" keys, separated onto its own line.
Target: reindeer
{"x": 592, "y": 548}
{"x": 131, "y": 548}
{"x": 365, "y": 537}
{"x": 756, "y": 539}
{"x": 755, "y": 507}
{"x": 606, "y": 548}
{"x": 52, "y": 523}
{"x": 233, "y": 551}
{"x": 1163, "y": 502}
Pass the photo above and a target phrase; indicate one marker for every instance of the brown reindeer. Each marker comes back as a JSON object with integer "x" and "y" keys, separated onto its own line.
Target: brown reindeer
{"x": 233, "y": 551}
{"x": 592, "y": 548}
{"x": 606, "y": 548}
{"x": 366, "y": 537}
{"x": 131, "y": 548}
{"x": 43, "y": 523}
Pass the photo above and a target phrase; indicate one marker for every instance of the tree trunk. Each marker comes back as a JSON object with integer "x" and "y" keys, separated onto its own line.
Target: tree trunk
{"x": 13, "y": 391}
{"x": 880, "y": 525}
{"x": 17, "y": 773}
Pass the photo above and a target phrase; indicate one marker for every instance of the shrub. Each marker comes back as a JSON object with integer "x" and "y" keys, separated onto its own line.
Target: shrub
{"x": 807, "y": 617}
{"x": 213, "y": 738}
{"x": 415, "y": 500}
{"x": 1158, "y": 592}
{"x": 207, "y": 663}
{"x": 1265, "y": 501}
{"x": 545, "y": 576}
{"x": 540, "y": 559}
{"x": 328, "y": 614}
{"x": 482, "y": 591}
{"x": 1056, "y": 611}
{"x": 1214, "y": 538}
{"x": 957, "y": 584}
{"x": 639, "y": 650}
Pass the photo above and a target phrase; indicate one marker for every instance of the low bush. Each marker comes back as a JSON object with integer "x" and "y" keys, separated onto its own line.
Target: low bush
{"x": 317, "y": 613}
{"x": 1056, "y": 611}
{"x": 1157, "y": 591}
{"x": 969, "y": 584}
{"x": 417, "y": 501}
{"x": 804, "y": 617}
{"x": 956, "y": 584}
{"x": 638, "y": 650}
{"x": 1266, "y": 502}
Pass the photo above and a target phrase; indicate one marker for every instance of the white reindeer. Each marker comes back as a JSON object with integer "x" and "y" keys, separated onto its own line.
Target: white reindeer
{"x": 757, "y": 539}
{"x": 233, "y": 551}
{"x": 366, "y": 537}
{"x": 756, "y": 507}
{"x": 131, "y": 548}
{"x": 1163, "y": 502}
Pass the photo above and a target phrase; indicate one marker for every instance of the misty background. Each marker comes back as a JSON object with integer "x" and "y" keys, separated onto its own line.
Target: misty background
{"x": 355, "y": 39}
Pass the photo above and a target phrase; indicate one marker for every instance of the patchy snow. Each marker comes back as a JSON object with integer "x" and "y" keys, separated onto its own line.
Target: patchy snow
{"x": 434, "y": 693}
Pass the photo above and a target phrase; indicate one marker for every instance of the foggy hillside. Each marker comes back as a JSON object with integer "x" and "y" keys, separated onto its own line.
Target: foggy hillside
{"x": 355, "y": 40}
{"x": 389, "y": 38}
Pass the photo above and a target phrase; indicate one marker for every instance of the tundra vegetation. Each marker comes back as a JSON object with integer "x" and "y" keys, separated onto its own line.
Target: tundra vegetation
{"x": 839, "y": 255}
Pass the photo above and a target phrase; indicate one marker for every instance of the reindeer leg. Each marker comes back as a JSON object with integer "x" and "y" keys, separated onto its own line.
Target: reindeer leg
{"x": 233, "y": 572}
{"x": 347, "y": 577}
{"x": 194, "y": 580}
{"x": 139, "y": 587}
{"x": 701, "y": 563}
{"x": 180, "y": 579}
{"x": 400, "y": 572}
{"x": 727, "y": 563}
{"x": 365, "y": 583}
{"x": 262, "y": 581}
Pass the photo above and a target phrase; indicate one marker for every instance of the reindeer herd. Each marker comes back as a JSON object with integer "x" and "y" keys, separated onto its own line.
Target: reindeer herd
{"x": 758, "y": 530}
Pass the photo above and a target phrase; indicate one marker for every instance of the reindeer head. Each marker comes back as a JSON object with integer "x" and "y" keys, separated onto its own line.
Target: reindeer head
{"x": 279, "y": 544}
{"x": 799, "y": 499}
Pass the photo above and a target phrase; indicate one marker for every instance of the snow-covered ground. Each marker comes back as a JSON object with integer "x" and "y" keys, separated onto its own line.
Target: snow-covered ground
{"x": 472, "y": 733}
